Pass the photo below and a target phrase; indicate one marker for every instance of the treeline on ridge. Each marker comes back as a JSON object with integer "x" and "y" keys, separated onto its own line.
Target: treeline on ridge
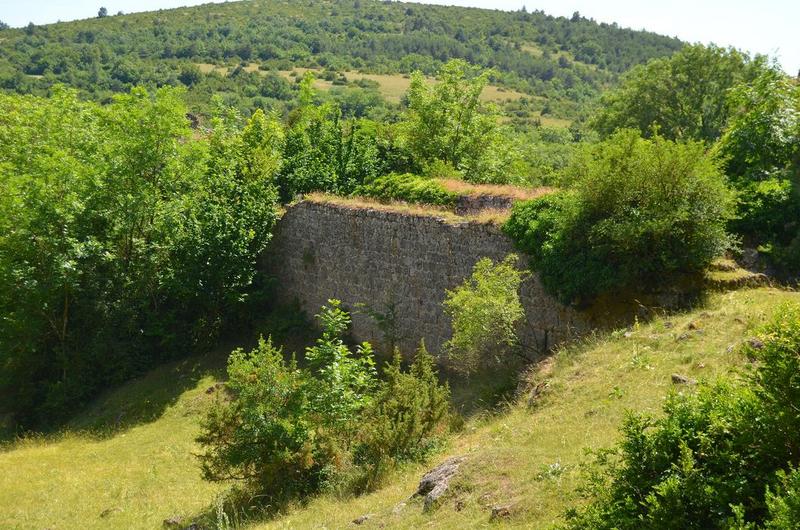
{"x": 568, "y": 61}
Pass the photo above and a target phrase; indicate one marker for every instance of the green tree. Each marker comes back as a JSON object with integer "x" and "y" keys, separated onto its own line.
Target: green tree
{"x": 225, "y": 221}
{"x": 485, "y": 312}
{"x": 124, "y": 242}
{"x": 630, "y": 197}
{"x": 447, "y": 122}
{"x": 761, "y": 150}
{"x": 324, "y": 152}
{"x": 681, "y": 97}
{"x": 762, "y": 139}
{"x": 102, "y": 12}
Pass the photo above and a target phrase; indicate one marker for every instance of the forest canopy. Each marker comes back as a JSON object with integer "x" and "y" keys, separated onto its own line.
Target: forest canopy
{"x": 237, "y": 48}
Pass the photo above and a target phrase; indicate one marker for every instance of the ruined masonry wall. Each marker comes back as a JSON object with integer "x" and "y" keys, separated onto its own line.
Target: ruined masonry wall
{"x": 380, "y": 258}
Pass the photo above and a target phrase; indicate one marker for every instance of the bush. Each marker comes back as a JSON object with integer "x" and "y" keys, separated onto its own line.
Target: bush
{"x": 264, "y": 435}
{"x": 720, "y": 458}
{"x": 767, "y": 210}
{"x": 485, "y": 311}
{"x": 548, "y": 151}
{"x": 631, "y": 198}
{"x": 288, "y": 431}
{"x": 342, "y": 381}
{"x": 406, "y": 418}
{"x": 761, "y": 149}
{"x": 408, "y": 188}
{"x": 783, "y": 502}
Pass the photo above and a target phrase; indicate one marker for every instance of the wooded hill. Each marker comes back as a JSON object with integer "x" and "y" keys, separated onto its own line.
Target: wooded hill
{"x": 564, "y": 62}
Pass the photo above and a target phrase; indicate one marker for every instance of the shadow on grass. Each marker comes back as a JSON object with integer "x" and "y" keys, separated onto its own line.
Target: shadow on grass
{"x": 146, "y": 398}
{"x": 484, "y": 391}
{"x": 136, "y": 402}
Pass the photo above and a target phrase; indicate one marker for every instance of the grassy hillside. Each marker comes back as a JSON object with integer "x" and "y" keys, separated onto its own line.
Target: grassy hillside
{"x": 137, "y": 469}
{"x": 222, "y": 49}
{"x": 126, "y": 463}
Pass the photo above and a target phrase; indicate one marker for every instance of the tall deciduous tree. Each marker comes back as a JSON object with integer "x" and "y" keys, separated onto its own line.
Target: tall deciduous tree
{"x": 323, "y": 151}
{"x": 448, "y": 123}
{"x": 123, "y": 242}
{"x": 682, "y": 97}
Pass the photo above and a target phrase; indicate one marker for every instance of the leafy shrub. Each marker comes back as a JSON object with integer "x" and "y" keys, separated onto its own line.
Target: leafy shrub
{"x": 761, "y": 149}
{"x": 343, "y": 381}
{"x": 777, "y": 384}
{"x": 716, "y": 459}
{"x": 288, "y": 431}
{"x": 409, "y": 410}
{"x": 485, "y": 311}
{"x": 547, "y": 152}
{"x": 682, "y": 471}
{"x": 630, "y": 198}
{"x": 767, "y": 210}
{"x": 783, "y": 501}
{"x": 408, "y": 188}
{"x": 264, "y": 434}
{"x": 447, "y": 123}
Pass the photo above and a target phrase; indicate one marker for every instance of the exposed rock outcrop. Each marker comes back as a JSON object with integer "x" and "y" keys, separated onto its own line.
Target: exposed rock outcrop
{"x": 435, "y": 482}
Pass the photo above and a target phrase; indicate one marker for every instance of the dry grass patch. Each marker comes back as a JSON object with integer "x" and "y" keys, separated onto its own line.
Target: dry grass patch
{"x": 394, "y": 86}
{"x": 518, "y": 193}
{"x": 488, "y": 216}
{"x": 208, "y": 68}
{"x": 532, "y": 49}
{"x": 550, "y": 121}
{"x": 365, "y": 203}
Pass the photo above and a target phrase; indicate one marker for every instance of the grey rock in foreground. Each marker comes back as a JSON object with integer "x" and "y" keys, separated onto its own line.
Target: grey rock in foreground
{"x": 679, "y": 379}
{"x": 435, "y": 482}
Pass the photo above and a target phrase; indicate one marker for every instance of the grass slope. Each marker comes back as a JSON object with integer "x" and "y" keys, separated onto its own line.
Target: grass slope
{"x": 527, "y": 457}
{"x": 125, "y": 463}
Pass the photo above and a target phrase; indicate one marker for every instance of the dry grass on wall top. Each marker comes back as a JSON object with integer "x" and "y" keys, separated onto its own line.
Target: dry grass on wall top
{"x": 495, "y": 217}
{"x": 517, "y": 193}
